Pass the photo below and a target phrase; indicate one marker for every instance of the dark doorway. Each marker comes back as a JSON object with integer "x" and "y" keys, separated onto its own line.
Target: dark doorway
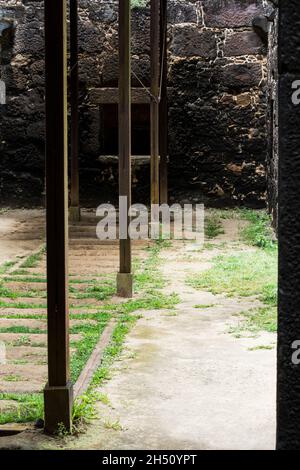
{"x": 140, "y": 129}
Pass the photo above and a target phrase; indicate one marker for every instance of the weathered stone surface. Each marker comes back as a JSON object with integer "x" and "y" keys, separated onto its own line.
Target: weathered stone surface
{"x": 231, "y": 13}
{"x": 189, "y": 41}
{"x": 219, "y": 132}
{"x": 239, "y": 76}
{"x": 217, "y": 102}
{"x": 272, "y": 119}
{"x": 243, "y": 43}
{"x": 183, "y": 12}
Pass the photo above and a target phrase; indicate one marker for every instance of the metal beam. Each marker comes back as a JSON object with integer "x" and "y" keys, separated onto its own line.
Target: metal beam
{"x": 163, "y": 107}
{"x": 74, "y": 101}
{"x": 58, "y": 391}
{"x": 124, "y": 279}
{"x": 154, "y": 105}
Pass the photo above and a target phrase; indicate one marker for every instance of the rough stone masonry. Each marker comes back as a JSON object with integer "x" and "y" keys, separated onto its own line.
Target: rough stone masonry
{"x": 218, "y": 95}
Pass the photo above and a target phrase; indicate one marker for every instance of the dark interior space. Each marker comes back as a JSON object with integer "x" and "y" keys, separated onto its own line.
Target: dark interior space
{"x": 109, "y": 129}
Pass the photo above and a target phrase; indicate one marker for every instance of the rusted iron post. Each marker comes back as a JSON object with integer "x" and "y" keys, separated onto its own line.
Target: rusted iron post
{"x": 154, "y": 105}
{"x": 74, "y": 211}
{"x": 124, "y": 279}
{"x": 163, "y": 107}
{"x": 58, "y": 391}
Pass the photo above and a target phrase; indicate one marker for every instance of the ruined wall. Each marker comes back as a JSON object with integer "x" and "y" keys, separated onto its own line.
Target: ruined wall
{"x": 272, "y": 160}
{"x": 217, "y": 97}
{"x": 220, "y": 89}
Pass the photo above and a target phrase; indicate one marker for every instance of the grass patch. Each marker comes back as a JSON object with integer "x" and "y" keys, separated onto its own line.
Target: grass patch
{"x": 14, "y": 378}
{"x": 5, "y": 292}
{"x": 147, "y": 274}
{"x": 21, "y": 305}
{"x": 115, "y": 425}
{"x": 31, "y": 279}
{"x": 91, "y": 333}
{"x": 6, "y": 266}
{"x": 152, "y": 301}
{"x": 259, "y": 231}
{"x": 33, "y": 260}
{"x": 243, "y": 274}
{"x": 22, "y": 341}
{"x": 22, "y": 272}
{"x": 247, "y": 273}
{"x": 255, "y": 320}
{"x": 22, "y": 329}
{"x": 100, "y": 292}
{"x": 200, "y": 306}
{"x": 262, "y": 347}
{"x": 29, "y": 408}
{"x": 213, "y": 225}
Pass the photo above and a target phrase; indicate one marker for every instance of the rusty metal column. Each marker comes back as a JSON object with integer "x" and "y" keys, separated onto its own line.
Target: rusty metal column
{"x": 74, "y": 211}
{"x": 58, "y": 392}
{"x": 154, "y": 105}
{"x": 124, "y": 278}
{"x": 163, "y": 110}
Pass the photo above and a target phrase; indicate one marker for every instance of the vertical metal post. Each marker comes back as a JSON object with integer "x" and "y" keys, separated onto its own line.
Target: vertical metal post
{"x": 288, "y": 365}
{"x": 74, "y": 93}
{"x": 58, "y": 391}
{"x": 154, "y": 105}
{"x": 163, "y": 107}
{"x": 124, "y": 279}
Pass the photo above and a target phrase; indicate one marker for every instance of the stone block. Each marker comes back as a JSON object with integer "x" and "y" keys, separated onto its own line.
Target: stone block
{"x": 190, "y": 41}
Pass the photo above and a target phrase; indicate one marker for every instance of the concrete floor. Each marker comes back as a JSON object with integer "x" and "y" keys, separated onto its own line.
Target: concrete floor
{"x": 184, "y": 382}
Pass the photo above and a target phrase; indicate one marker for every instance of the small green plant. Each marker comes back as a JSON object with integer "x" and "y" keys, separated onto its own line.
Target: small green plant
{"x": 259, "y": 231}
{"x": 204, "y": 306}
{"x": 115, "y": 425}
{"x": 62, "y": 432}
{"x": 84, "y": 411}
{"x": 14, "y": 378}
{"x": 6, "y": 266}
{"x": 103, "y": 397}
{"x": 138, "y": 3}
{"x": 213, "y": 226}
{"x": 170, "y": 314}
{"x": 262, "y": 347}
{"x": 33, "y": 260}
{"x": 22, "y": 341}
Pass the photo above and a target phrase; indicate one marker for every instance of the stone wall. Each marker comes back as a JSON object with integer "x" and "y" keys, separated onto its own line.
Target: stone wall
{"x": 272, "y": 160}
{"x": 217, "y": 96}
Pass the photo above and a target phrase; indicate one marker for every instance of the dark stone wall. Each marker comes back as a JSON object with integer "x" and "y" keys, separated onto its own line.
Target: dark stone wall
{"x": 272, "y": 160}
{"x": 288, "y": 383}
{"x": 218, "y": 101}
{"x": 218, "y": 132}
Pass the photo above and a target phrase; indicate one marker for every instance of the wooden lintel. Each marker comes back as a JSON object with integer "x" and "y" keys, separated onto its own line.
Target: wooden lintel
{"x": 111, "y": 96}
